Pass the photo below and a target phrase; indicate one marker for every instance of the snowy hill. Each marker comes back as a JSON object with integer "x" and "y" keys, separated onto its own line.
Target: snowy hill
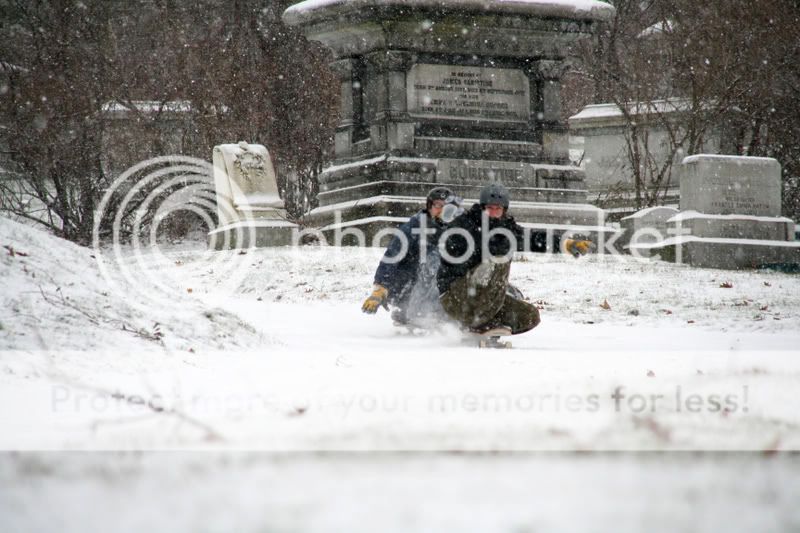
{"x": 56, "y": 298}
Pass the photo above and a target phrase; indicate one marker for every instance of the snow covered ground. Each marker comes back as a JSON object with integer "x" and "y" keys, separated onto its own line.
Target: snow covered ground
{"x": 264, "y": 361}
{"x": 205, "y": 492}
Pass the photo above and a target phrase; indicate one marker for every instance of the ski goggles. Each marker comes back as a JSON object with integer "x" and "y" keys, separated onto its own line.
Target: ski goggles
{"x": 451, "y": 209}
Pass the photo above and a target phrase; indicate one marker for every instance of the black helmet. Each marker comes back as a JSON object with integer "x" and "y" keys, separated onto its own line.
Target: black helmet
{"x": 452, "y": 203}
{"x": 438, "y": 193}
{"x": 494, "y": 193}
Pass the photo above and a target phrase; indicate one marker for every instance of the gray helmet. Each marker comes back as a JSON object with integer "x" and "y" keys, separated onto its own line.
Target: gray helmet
{"x": 494, "y": 193}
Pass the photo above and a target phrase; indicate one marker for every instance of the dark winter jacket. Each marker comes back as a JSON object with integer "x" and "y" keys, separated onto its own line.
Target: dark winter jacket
{"x": 456, "y": 245}
{"x": 399, "y": 277}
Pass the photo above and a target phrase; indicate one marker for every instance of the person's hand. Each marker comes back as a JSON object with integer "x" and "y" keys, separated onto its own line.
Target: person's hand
{"x": 578, "y": 247}
{"x": 376, "y": 299}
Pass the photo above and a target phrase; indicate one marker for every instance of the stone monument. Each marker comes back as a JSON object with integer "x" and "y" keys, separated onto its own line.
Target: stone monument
{"x": 645, "y": 226}
{"x": 730, "y": 215}
{"x": 599, "y": 136}
{"x": 250, "y": 211}
{"x": 457, "y": 93}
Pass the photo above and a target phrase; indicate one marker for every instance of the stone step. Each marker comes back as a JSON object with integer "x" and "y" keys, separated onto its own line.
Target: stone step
{"x": 732, "y": 226}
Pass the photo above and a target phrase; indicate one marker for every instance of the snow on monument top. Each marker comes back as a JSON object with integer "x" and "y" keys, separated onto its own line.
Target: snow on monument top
{"x": 313, "y": 10}
{"x": 738, "y": 159}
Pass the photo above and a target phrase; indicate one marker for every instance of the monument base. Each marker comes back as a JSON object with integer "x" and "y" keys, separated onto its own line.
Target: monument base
{"x": 374, "y": 194}
{"x": 372, "y": 215}
{"x": 414, "y": 176}
{"x": 728, "y": 254}
{"x": 253, "y": 234}
{"x": 731, "y": 242}
{"x": 732, "y": 226}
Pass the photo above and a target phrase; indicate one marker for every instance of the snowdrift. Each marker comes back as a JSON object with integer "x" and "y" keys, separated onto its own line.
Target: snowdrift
{"x": 54, "y": 297}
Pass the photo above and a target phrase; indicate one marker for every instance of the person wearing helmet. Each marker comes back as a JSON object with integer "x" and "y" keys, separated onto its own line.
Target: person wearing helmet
{"x": 406, "y": 275}
{"x": 475, "y": 266}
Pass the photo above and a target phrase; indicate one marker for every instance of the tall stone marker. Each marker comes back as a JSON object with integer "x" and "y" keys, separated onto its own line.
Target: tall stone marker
{"x": 250, "y": 211}
{"x": 454, "y": 93}
{"x": 730, "y": 215}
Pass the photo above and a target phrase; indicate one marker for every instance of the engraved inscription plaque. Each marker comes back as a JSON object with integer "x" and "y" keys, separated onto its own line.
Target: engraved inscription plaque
{"x": 724, "y": 185}
{"x": 477, "y": 93}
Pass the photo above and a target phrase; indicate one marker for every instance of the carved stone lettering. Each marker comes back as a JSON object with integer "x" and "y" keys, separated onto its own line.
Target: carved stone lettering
{"x": 459, "y": 171}
{"x": 725, "y": 185}
{"x": 459, "y": 92}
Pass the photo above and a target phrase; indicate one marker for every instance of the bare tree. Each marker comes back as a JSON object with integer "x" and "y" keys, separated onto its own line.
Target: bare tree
{"x": 242, "y": 73}
{"x": 52, "y": 114}
{"x": 727, "y": 67}
{"x": 633, "y": 65}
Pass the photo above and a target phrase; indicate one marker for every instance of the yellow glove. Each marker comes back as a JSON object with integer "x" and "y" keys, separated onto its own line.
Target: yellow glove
{"x": 578, "y": 247}
{"x": 376, "y": 299}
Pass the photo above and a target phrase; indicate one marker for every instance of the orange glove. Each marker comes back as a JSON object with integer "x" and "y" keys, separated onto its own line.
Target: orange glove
{"x": 377, "y": 299}
{"x": 578, "y": 247}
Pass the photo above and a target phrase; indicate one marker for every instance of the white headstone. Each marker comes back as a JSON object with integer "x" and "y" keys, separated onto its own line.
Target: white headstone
{"x": 245, "y": 182}
{"x": 250, "y": 210}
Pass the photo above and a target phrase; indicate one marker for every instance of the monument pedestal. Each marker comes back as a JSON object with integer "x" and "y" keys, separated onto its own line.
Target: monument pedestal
{"x": 401, "y": 184}
{"x": 457, "y": 94}
{"x": 253, "y": 233}
{"x": 730, "y": 216}
{"x": 729, "y": 254}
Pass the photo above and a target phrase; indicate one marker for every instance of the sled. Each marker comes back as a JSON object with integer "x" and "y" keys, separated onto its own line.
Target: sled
{"x": 491, "y": 338}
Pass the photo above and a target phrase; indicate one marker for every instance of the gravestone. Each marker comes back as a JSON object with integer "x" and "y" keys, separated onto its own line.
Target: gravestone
{"x": 724, "y": 185}
{"x": 646, "y": 226}
{"x": 458, "y": 94}
{"x": 730, "y": 215}
{"x": 249, "y": 208}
